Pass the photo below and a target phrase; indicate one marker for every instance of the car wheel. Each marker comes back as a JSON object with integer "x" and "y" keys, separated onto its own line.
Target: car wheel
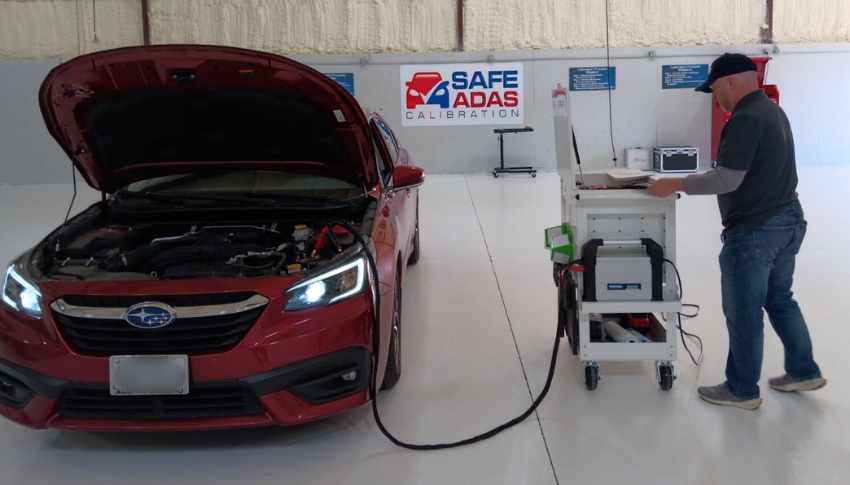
{"x": 414, "y": 255}
{"x": 393, "y": 371}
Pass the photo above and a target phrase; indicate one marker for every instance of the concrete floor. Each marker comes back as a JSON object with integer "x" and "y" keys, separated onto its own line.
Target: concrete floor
{"x": 479, "y": 323}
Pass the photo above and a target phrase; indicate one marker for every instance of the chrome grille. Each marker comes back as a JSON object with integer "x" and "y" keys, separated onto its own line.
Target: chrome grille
{"x": 197, "y": 329}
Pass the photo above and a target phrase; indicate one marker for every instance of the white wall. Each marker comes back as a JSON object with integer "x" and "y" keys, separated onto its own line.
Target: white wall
{"x": 39, "y": 29}
{"x": 814, "y": 90}
{"x": 815, "y": 93}
{"x": 308, "y": 26}
{"x": 61, "y": 29}
{"x": 806, "y": 21}
{"x": 577, "y": 24}
{"x": 28, "y": 153}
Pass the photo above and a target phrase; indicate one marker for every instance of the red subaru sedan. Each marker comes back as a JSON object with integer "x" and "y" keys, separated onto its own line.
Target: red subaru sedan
{"x": 223, "y": 280}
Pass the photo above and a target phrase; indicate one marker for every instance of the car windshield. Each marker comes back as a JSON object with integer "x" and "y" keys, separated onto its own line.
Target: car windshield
{"x": 247, "y": 183}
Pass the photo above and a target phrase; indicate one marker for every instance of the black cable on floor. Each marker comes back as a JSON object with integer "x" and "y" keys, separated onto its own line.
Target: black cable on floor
{"x": 682, "y": 334}
{"x": 376, "y": 346}
{"x": 376, "y": 341}
{"x": 679, "y": 315}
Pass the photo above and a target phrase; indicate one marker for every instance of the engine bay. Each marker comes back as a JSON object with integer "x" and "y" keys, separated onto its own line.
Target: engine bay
{"x": 186, "y": 251}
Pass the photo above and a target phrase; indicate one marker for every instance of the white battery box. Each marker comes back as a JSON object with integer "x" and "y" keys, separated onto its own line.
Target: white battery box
{"x": 639, "y": 158}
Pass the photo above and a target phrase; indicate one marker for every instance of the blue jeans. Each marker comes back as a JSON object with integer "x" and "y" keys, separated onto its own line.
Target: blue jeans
{"x": 757, "y": 270}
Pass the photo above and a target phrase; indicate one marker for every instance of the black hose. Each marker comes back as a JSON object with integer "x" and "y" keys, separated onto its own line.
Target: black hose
{"x": 376, "y": 340}
{"x": 279, "y": 265}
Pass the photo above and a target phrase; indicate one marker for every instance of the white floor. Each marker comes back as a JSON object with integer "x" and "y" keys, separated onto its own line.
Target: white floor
{"x": 479, "y": 323}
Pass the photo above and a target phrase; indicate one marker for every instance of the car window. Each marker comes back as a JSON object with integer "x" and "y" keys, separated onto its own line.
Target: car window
{"x": 383, "y": 153}
{"x": 388, "y": 138}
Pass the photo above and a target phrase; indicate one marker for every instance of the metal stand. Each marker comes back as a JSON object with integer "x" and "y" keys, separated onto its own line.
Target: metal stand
{"x": 629, "y": 223}
{"x": 501, "y": 168}
{"x": 623, "y": 237}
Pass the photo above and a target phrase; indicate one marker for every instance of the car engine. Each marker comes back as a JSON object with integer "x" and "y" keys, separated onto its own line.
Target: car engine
{"x": 152, "y": 252}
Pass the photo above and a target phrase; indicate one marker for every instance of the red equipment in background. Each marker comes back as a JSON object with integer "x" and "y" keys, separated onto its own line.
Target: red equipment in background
{"x": 719, "y": 117}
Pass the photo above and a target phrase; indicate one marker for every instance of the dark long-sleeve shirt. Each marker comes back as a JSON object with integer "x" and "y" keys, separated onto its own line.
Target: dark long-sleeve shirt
{"x": 757, "y": 173}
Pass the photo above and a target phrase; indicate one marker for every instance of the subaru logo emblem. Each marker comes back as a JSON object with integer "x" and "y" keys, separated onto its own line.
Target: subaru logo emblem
{"x": 150, "y": 315}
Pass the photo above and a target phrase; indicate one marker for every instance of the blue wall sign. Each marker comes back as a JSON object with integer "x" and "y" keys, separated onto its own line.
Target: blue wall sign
{"x": 345, "y": 79}
{"x": 680, "y": 76}
{"x": 592, "y": 78}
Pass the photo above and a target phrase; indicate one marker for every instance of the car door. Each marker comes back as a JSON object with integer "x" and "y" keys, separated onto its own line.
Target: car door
{"x": 402, "y": 209}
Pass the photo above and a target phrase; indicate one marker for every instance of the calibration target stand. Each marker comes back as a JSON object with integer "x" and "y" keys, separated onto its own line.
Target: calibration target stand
{"x": 501, "y": 168}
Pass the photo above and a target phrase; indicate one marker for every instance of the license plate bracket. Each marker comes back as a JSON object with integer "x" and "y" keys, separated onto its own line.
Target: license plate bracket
{"x": 146, "y": 375}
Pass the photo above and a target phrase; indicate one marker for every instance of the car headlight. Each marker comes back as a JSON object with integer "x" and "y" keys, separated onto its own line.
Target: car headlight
{"x": 21, "y": 294}
{"x": 334, "y": 285}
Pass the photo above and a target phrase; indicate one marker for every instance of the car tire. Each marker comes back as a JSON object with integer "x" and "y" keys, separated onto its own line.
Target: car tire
{"x": 414, "y": 255}
{"x": 393, "y": 370}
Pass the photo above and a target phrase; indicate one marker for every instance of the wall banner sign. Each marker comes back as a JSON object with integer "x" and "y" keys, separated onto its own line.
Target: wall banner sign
{"x": 680, "y": 76}
{"x": 345, "y": 79}
{"x": 593, "y": 78}
{"x": 462, "y": 94}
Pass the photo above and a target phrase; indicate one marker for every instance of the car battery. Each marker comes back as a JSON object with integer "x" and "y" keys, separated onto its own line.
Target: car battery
{"x": 675, "y": 159}
{"x": 623, "y": 277}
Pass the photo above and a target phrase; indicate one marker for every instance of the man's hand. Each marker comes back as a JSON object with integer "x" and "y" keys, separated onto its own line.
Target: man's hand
{"x": 665, "y": 187}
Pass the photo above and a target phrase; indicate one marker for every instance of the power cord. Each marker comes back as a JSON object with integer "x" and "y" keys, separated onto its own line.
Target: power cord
{"x": 679, "y": 315}
{"x": 376, "y": 346}
{"x": 608, "y": 72}
{"x": 376, "y": 341}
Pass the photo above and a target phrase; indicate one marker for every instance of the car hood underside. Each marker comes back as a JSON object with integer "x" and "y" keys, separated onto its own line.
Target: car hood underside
{"x": 134, "y": 113}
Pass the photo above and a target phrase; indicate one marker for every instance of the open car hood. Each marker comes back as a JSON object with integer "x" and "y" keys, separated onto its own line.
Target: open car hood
{"x": 135, "y": 113}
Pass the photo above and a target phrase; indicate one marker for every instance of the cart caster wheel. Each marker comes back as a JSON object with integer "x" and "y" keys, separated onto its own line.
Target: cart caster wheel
{"x": 665, "y": 377}
{"x": 533, "y": 175}
{"x": 591, "y": 377}
{"x": 495, "y": 174}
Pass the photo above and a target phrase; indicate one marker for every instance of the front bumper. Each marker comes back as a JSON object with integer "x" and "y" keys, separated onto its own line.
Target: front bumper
{"x": 289, "y": 368}
{"x": 299, "y": 392}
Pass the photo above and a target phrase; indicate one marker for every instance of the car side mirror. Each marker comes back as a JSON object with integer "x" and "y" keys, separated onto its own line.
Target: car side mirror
{"x": 406, "y": 177}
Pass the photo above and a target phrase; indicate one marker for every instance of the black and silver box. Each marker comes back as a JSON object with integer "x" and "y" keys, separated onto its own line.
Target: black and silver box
{"x": 675, "y": 159}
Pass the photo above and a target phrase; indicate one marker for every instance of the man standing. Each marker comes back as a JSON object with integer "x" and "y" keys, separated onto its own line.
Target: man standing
{"x": 763, "y": 228}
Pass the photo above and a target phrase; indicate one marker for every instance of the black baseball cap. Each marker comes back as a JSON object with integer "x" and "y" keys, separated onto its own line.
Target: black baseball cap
{"x": 727, "y": 65}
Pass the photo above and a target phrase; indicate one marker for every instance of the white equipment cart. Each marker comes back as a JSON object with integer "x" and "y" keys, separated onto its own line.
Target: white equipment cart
{"x": 611, "y": 258}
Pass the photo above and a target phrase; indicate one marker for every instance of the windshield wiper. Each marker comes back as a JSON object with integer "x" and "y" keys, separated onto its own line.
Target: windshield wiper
{"x": 181, "y": 199}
